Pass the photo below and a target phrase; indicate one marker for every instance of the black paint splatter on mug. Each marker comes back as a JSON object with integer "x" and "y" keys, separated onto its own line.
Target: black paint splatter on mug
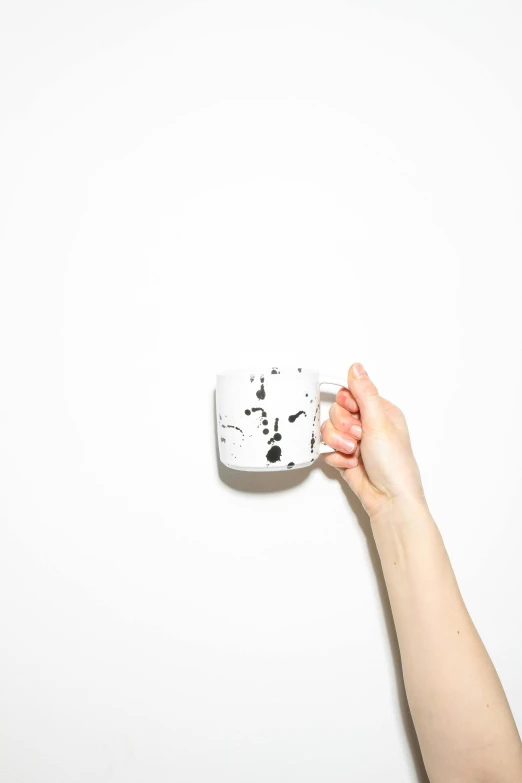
{"x": 232, "y": 427}
{"x": 317, "y": 414}
{"x": 260, "y": 393}
{"x": 274, "y": 454}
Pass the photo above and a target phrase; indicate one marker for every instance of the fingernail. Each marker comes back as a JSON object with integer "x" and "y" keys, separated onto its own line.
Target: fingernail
{"x": 357, "y": 431}
{"x": 358, "y": 370}
{"x": 347, "y": 445}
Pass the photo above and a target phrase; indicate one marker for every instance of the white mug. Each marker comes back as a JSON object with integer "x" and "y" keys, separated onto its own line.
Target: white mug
{"x": 269, "y": 420}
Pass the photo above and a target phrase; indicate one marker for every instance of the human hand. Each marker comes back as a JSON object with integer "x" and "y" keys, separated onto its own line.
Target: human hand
{"x": 373, "y": 449}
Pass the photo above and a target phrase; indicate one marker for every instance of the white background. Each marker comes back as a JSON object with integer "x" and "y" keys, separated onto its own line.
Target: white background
{"x": 187, "y": 187}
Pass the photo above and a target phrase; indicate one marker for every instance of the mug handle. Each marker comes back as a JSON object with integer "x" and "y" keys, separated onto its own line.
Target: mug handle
{"x": 327, "y": 379}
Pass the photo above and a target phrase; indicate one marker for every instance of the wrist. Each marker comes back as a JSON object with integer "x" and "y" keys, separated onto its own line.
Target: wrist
{"x": 404, "y": 532}
{"x": 410, "y": 545}
{"x": 401, "y": 513}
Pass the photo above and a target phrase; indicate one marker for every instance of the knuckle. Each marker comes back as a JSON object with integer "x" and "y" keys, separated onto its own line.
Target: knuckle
{"x": 370, "y": 388}
{"x": 340, "y": 419}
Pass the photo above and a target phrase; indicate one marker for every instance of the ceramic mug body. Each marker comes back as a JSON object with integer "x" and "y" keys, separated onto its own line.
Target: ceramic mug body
{"x": 269, "y": 420}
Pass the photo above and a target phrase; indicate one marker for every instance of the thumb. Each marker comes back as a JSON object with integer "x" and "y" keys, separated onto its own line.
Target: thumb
{"x": 366, "y": 396}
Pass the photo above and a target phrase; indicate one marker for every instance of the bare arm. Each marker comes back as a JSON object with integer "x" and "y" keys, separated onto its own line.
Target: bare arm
{"x": 465, "y": 728}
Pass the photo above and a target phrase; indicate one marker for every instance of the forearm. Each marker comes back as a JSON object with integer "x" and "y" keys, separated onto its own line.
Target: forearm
{"x": 463, "y": 721}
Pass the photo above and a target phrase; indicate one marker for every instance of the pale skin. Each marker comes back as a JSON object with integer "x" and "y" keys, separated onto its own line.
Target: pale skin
{"x": 464, "y": 725}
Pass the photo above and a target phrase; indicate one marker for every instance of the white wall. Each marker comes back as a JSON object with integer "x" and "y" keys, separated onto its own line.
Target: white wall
{"x": 189, "y": 186}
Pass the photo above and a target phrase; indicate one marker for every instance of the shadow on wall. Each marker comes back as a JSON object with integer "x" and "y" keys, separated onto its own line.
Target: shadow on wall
{"x": 278, "y": 481}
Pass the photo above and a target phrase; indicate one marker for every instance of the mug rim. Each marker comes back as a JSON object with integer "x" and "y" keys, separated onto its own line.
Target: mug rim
{"x": 297, "y": 371}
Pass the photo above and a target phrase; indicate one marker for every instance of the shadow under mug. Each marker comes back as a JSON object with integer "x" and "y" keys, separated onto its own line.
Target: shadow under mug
{"x": 269, "y": 420}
